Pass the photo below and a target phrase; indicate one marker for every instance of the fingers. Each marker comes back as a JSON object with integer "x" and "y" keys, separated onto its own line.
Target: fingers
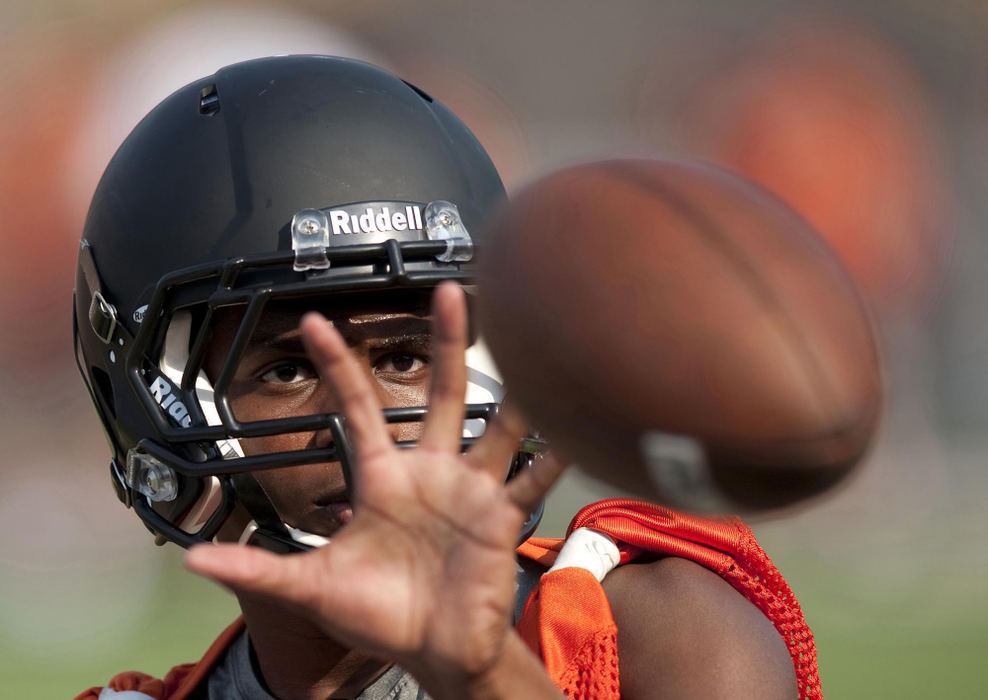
{"x": 494, "y": 449}
{"x": 444, "y": 425}
{"x": 358, "y": 402}
{"x": 531, "y": 485}
{"x": 250, "y": 570}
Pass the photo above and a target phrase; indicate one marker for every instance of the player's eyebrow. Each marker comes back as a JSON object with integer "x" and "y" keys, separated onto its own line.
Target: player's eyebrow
{"x": 282, "y": 333}
{"x": 276, "y": 332}
{"x": 290, "y": 342}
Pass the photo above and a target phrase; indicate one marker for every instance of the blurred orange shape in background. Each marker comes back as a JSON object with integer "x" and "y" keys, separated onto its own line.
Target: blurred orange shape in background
{"x": 833, "y": 119}
{"x": 38, "y": 224}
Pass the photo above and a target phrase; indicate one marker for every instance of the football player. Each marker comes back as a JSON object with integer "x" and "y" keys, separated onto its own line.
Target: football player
{"x": 272, "y": 319}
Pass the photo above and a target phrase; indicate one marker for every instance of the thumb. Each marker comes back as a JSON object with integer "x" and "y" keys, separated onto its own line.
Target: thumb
{"x": 250, "y": 570}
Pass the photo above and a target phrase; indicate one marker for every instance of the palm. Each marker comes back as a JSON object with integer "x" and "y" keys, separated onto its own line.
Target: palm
{"x": 433, "y": 523}
{"x": 424, "y": 573}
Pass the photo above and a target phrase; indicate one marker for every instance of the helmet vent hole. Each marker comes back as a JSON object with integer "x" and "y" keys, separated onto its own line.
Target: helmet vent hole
{"x": 104, "y": 389}
{"x": 421, "y": 93}
{"x": 209, "y": 101}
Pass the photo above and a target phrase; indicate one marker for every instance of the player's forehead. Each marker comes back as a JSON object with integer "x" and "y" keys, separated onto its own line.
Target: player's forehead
{"x": 368, "y": 314}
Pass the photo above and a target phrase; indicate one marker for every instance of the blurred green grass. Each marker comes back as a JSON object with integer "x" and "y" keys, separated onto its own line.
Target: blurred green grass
{"x": 183, "y": 617}
{"x": 869, "y": 647}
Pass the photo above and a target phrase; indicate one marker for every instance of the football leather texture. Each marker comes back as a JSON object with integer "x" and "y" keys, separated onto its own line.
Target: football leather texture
{"x": 648, "y": 310}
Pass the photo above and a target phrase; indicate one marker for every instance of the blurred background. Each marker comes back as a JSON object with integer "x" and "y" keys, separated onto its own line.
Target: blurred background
{"x": 869, "y": 116}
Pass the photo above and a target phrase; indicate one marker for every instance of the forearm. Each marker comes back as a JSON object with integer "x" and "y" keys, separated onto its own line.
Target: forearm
{"x": 517, "y": 673}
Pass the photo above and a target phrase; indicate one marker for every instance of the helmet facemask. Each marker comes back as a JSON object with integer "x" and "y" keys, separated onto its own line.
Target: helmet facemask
{"x": 186, "y": 481}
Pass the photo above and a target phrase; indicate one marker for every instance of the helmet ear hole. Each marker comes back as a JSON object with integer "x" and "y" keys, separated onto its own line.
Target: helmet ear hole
{"x": 104, "y": 389}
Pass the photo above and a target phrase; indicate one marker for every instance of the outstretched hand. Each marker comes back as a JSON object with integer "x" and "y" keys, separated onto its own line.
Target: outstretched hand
{"x": 424, "y": 573}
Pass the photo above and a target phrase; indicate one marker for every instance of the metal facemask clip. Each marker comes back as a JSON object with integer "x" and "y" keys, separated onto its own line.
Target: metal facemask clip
{"x": 150, "y": 476}
{"x": 102, "y": 317}
{"x": 443, "y": 223}
{"x": 310, "y": 240}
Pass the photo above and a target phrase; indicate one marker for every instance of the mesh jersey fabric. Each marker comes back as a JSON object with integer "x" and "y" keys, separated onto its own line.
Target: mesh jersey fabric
{"x": 567, "y": 619}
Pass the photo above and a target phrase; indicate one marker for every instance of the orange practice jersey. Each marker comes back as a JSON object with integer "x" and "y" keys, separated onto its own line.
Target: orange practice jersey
{"x": 568, "y": 621}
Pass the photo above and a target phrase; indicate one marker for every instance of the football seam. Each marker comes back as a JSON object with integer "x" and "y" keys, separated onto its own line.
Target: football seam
{"x": 742, "y": 266}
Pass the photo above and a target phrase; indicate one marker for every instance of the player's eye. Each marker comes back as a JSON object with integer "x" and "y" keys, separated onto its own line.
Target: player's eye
{"x": 401, "y": 363}
{"x": 289, "y": 372}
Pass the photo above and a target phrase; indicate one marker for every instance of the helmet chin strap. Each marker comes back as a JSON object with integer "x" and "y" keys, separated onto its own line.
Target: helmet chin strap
{"x": 483, "y": 387}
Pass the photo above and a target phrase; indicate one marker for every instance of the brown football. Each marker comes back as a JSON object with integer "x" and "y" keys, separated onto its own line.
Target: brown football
{"x": 679, "y": 332}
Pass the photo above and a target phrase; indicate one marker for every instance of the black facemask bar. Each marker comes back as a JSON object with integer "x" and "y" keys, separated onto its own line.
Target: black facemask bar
{"x": 271, "y": 533}
{"x": 241, "y": 281}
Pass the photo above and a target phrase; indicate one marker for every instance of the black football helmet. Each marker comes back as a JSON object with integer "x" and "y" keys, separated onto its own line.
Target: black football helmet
{"x": 286, "y": 179}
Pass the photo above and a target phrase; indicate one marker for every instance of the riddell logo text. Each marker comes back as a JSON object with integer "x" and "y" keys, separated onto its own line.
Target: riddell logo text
{"x": 161, "y": 390}
{"x": 376, "y": 221}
